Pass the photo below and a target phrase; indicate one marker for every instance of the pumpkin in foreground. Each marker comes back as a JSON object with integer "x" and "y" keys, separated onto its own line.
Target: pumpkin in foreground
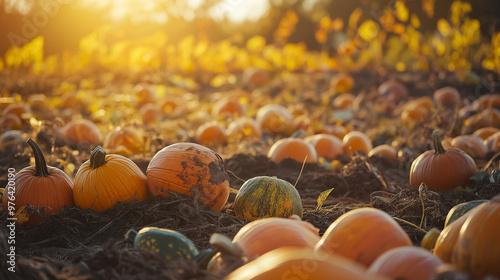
{"x": 460, "y": 209}
{"x": 440, "y": 169}
{"x": 169, "y": 244}
{"x": 263, "y": 197}
{"x": 39, "y": 185}
{"x": 104, "y": 180}
{"x": 190, "y": 169}
{"x": 362, "y": 235}
{"x": 301, "y": 263}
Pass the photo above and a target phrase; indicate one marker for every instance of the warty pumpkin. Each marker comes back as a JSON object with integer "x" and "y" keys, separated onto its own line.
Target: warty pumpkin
{"x": 189, "y": 169}
{"x": 362, "y": 235}
{"x": 409, "y": 263}
{"x": 294, "y": 148}
{"x": 39, "y": 185}
{"x": 261, "y": 236}
{"x": 440, "y": 169}
{"x": 301, "y": 263}
{"x": 105, "y": 179}
{"x": 263, "y": 197}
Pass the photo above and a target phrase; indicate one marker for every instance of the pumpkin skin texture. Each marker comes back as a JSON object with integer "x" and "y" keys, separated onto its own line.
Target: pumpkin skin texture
{"x": 362, "y": 235}
{"x": 259, "y": 237}
{"x": 263, "y": 197}
{"x": 104, "y": 180}
{"x": 301, "y": 263}
{"x": 41, "y": 186}
{"x": 460, "y": 209}
{"x": 326, "y": 145}
{"x": 189, "y": 169}
{"x": 477, "y": 249}
{"x": 169, "y": 244}
{"x": 409, "y": 263}
{"x": 294, "y": 148}
{"x": 440, "y": 169}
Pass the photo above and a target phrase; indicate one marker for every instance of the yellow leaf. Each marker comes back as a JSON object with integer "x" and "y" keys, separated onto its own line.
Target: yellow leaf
{"x": 23, "y": 214}
{"x": 444, "y": 27}
{"x": 354, "y": 17}
{"x": 256, "y": 43}
{"x": 69, "y": 169}
{"x": 415, "y": 21}
{"x": 322, "y": 197}
{"x": 368, "y": 30}
{"x": 402, "y": 12}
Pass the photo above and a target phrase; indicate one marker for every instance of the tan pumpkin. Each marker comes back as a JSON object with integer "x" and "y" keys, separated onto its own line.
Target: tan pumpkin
{"x": 294, "y": 148}
{"x": 343, "y": 101}
{"x": 259, "y": 237}
{"x": 489, "y": 117}
{"x": 486, "y": 132}
{"x": 492, "y": 143}
{"x": 189, "y": 169}
{"x": 491, "y": 100}
{"x": 228, "y": 106}
{"x": 150, "y": 113}
{"x": 440, "y": 169}
{"x": 409, "y": 263}
{"x": 326, "y": 145}
{"x": 301, "y": 263}
{"x": 363, "y": 235}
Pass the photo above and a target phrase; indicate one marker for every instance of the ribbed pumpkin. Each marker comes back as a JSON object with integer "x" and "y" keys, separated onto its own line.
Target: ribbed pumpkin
{"x": 169, "y": 244}
{"x": 189, "y": 169}
{"x": 301, "y": 263}
{"x": 326, "y": 145}
{"x": 261, "y": 236}
{"x": 263, "y": 197}
{"x": 460, "y": 209}
{"x": 409, "y": 263}
{"x": 39, "y": 185}
{"x": 104, "y": 180}
{"x": 362, "y": 235}
{"x": 440, "y": 169}
{"x": 294, "y": 148}
{"x": 477, "y": 249}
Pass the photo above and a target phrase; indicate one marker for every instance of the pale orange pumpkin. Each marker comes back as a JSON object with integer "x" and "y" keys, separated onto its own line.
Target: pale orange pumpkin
{"x": 486, "y": 132}
{"x": 294, "y": 148}
{"x": 489, "y": 117}
{"x": 125, "y": 140}
{"x": 21, "y": 110}
{"x": 440, "y": 169}
{"x": 275, "y": 118}
{"x": 447, "y": 97}
{"x": 255, "y": 77}
{"x": 470, "y": 144}
{"x": 228, "y": 106}
{"x": 326, "y": 145}
{"x": 243, "y": 128}
{"x": 491, "y": 100}
{"x": 11, "y": 121}
{"x": 492, "y": 143}
{"x": 356, "y": 141}
{"x": 363, "y": 235}
{"x": 145, "y": 95}
{"x": 343, "y": 100}
{"x": 81, "y": 131}
{"x": 211, "y": 134}
{"x": 259, "y": 237}
{"x": 408, "y": 262}
{"x": 384, "y": 150}
{"x": 150, "y": 113}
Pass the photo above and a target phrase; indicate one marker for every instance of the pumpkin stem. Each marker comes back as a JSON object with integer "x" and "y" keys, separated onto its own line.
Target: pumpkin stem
{"x": 41, "y": 168}
{"x": 438, "y": 147}
{"x": 130, "y": 235}
{"x": 98, "y": 157}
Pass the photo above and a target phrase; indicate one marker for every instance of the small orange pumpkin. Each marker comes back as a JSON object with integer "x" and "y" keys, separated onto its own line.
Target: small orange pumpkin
{"x": 150, "y": 113}
{"x": 356, "y": 141}
{"x": 486, "y": 132}
{"x": 341, "y": 83}
{"x": 211, "y": 134}
{"x": 489, "y": 117}
{"x": 470, "y": 144}
{"x": 81, "y": 131}
{"x": 228, "y": 106}
{"x": 384, "y": 150}
{"x": 393, "y": 90}
{"x": 255, "y": 77}
{"x": 326, "y": 145}
{"x": 125, "y": 140}
{"x": 10, "y": 121}
{"x": 363, "y": 235}
{"x": 39, "y": 185}
{"x": 145, "y": 95}
{"x": 189, "y": 169}
{"x": 104, "y": 180}
{"x": 243, "y": 128}
{"x": 491, "y": 100}
{"x": 492, "y": 143}
{"x": 275, "y": 118}
{"x": 259, "y": 237}
{"x": 447, "y": 97}
{"x": 21, "y": 110}
{"x": 294, "y": 148}
{"x": 409, "y": 263}
{"x": 440, "y": 169}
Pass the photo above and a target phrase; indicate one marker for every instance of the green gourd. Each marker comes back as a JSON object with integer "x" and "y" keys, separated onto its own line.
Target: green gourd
{"x": 458, "y": 210}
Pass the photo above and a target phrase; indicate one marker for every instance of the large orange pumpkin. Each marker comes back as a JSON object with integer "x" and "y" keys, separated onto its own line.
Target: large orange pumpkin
{"x": 362, "y": 235}
{"x": 294, "y": 148}
{"x": 445, "y": 243}
{"x": 409, "y": 263}
{"x": 441, "y": 169}
{"x": 189, "y": 169}
{"x": 39, "y": 185}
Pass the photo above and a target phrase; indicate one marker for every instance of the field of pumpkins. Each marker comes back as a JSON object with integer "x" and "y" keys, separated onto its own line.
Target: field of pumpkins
{"x": 254, "y": 159}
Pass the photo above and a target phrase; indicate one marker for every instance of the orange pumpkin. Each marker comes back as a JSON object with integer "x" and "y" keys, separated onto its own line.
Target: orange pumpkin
{"x": 486, "y": 132}
{"x": 228, "y": 106}
{"x": 211, "y": 134}
{"x": 301, "y": 263}
{"x": 356, "y": 141}
{"x": 409, "y": 263}
{"x": 447, "y": 97}
{"x": 470, "y": 144}
{"x": 259, "y": 237}
{"x": 12, "y": 141}
{"x": 440, "y": 169}
{"x": 255, "y": 77}
{"x": 489, "y": 117}
{"x": 384, "y": 150}
{"x": 150, "y": 113}
{"x": 393, "y": 90}
{"x": 10, "y": 121}
{"x": 294, "y": 148}
{"x": 492, "y": 143}
{"x": 189, "y": 169}
{"x": 343, "y": 100}
{"x": 491, "y": 100}
{"x": 81, "y": 131}
{"x": 125, "y": 140}
{"x": 145, "y": 95}
{"x": 326, "y": 145}
{"x": 341, "y": 83}
{"x": 445, "y": 243}
{"x": 363, "y": 235}
{"x": 243, "y": 128}
{"x": 275, "y": 118}
{"x": 39, "y": 185}
{"x": 21, "y": 110}
{"x": 104, "y": 180}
